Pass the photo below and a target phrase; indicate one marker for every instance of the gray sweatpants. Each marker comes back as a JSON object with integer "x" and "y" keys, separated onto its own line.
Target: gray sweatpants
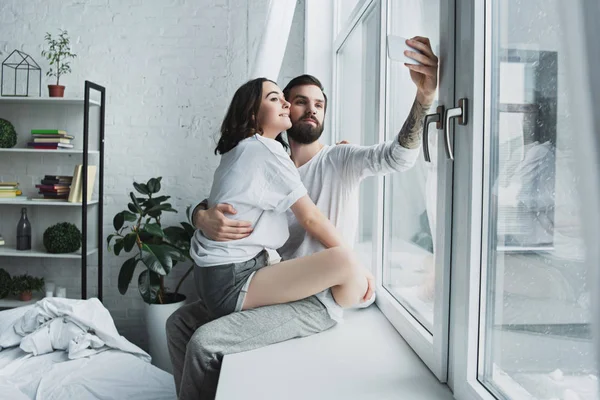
{"x": 197, "y": 343}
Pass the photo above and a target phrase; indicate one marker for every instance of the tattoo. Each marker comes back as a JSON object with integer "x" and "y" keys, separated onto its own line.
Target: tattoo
{"x": 411, "y": 134}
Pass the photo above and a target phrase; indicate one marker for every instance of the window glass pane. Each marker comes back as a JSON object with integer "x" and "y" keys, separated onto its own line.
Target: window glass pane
{"x": 345, "y": 8}
{"x": 358, "y": 80}
{"x": 537, "y": 332}
{"x": 411, "y": 198}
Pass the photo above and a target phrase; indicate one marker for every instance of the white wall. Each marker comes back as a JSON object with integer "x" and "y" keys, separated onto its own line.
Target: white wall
{"x": 170, "y": 69}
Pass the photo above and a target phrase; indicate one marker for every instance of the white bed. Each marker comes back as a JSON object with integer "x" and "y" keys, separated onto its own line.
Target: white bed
{"x": 106, "y": 373}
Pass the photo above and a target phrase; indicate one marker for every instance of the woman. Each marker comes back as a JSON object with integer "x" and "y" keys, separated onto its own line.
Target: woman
{"x": 259, "y": 179}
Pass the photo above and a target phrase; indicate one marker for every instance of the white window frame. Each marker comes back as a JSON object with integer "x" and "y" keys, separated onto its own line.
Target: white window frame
{"x": 468, "y": 281}
{"x": 432, "y": 349}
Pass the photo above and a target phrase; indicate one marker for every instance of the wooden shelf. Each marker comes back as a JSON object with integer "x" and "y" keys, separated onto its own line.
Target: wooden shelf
{"x": 61, "y": 151}
{"x": 45, "y": 101}
{"x": 10, "y": 251}
{"x": 14, "y": 302}
{"x": 20, "y": 201}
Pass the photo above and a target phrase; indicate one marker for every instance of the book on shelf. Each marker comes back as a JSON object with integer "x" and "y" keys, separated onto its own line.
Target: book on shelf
{"x": 9, "y": 190}
{"x": 57, "y": 179}
{"x": 55, "y": 183}
{"x": 48, "y": 132}
{"x": 4, "y": 184}
{"x": 9, "y": 193}
{"x": 50, "y": 146}
{"x": 53, "y": 137}
{"x": 35, "y": 198}
{"x": 54, "y": 188}
{"x": 51, "y": 140}
{"x": 75, "y": 195}
{"x": 48, "y": 195}
{"x": 49, "y": 187}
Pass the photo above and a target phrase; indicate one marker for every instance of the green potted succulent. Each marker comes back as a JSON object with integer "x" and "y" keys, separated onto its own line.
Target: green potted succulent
{"x": 24, "y": 286}
{"x": 58, "y": 54}
{"x": 158, "y": 249}
{"x": 63, "y": 237}
{"x": 8, "y": 134}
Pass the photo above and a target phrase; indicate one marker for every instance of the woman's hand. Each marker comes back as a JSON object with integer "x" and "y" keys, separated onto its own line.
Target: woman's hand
{"x": 216, "y": 226}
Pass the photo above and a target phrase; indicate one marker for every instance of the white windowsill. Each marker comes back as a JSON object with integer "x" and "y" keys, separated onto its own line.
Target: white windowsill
{"x": 364, "y": 358}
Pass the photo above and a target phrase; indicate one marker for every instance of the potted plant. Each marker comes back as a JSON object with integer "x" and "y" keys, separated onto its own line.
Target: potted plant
{"x": 5, "y": 283}
{"x": 63, "y": 237}
{"x": 58, "y": 53}
{"x": 158, "y": 249}
{"x": 24, "y": 285}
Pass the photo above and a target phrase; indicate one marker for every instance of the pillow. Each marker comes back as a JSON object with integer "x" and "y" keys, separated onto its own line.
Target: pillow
{"x": 8, "y": 319}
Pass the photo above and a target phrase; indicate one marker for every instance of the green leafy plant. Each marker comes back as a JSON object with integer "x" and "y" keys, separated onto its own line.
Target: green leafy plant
{"x": 58, "y": 53}
{"x": 5, "y": 283}
{"x": 63, "y": 237}
{"x": 159, "y": 249}
{"x": 26, "y": 284}
{"x": 8, "y": 134}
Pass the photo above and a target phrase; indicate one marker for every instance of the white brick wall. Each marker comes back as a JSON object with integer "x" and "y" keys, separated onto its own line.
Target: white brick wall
{"x": 170, "y": 69}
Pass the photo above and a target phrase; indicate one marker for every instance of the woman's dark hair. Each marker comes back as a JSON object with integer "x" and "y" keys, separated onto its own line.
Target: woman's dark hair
{"x": 303, "y": 80}
{"x": 241, "y": 120}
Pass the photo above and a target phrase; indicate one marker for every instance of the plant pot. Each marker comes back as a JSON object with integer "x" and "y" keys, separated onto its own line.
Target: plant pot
{"x": 56, "y": 90}
{"x": 25, "y": 296}
{"x": 156, "y": 321}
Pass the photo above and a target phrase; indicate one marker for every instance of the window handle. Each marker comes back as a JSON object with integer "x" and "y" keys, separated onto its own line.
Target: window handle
{"x": 459, "y": 112}
{"x": 438, "y": 118}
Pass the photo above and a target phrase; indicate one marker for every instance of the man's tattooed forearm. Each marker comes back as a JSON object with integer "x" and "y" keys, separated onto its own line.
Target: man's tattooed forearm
{"x": 411, "y": 133}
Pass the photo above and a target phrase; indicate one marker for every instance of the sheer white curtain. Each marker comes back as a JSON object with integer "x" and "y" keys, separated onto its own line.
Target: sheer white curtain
{"x": 271, "y": 49}
{"x": 581, "y": 42}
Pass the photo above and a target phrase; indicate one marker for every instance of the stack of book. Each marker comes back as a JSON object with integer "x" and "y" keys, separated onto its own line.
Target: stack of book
{"x": 55, "y": 187}
{"x": 9, "y": 190}
{"x": 50, "y": 139}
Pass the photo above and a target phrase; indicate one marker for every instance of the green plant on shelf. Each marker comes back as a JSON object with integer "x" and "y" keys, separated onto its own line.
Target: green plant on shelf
{"x": 5, "y": 283}
{"x": 24, "y": 285}
{"x": 8, "y": 134}
{"x": 63, "y": 237}
{"x": 58, "y": 53}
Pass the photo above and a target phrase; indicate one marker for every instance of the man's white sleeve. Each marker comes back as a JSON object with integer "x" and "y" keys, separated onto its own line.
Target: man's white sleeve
{"x": 360, "y": 162}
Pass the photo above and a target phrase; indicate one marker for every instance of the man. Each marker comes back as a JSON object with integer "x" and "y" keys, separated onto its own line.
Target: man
{"x": 332, "y": 175}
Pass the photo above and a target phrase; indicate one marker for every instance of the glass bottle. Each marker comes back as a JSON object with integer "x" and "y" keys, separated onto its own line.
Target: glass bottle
{"x": 24, "y": 232}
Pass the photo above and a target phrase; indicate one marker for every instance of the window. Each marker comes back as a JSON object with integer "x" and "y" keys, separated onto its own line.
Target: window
{"x": 357, "y": 117}
{"x": 344, "y": 11}
{"x": 536, "y": 334}
{"x": 411, "y": 197}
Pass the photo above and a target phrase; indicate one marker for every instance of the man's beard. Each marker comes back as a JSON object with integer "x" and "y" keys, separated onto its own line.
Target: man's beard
{"x": 304, "y": 133}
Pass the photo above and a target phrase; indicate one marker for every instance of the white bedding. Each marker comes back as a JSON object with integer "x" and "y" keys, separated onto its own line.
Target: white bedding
{"x": 70, "y": 350}
{"x": 112, "y": 374}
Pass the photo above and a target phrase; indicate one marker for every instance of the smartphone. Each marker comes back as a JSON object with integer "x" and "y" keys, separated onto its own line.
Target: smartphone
{"x": 396, "y": 47}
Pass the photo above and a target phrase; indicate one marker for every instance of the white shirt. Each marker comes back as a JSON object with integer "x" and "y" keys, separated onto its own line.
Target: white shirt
{"x": 258, "y": 178}
{"x": 332, "y": 178}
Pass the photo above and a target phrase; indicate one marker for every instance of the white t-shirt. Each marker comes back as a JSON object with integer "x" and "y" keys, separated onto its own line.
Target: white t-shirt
{"x": 258, "y": 178}
{"x": 332, "y": 178}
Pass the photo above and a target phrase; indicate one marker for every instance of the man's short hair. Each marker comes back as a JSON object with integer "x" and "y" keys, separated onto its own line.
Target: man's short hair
{"x": 304, "y": 80}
